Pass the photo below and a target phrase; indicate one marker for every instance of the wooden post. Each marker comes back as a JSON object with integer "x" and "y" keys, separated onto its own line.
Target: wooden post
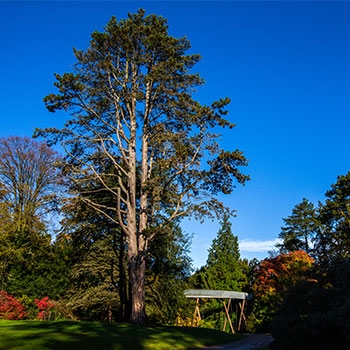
{"x": 241, "y": 316}
{"x": 228, "y": 315}
{"x": 196, "y": 313}
{"x": 225, "y": 321}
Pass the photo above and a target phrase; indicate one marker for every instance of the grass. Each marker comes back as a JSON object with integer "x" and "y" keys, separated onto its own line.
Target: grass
{"x": 67, "y": 335}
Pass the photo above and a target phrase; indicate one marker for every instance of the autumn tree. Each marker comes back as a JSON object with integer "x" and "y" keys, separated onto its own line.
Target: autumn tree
{"x": 130, "y": 98}
{"x": 273, "y": 277}
{"x": 300, "y": 228}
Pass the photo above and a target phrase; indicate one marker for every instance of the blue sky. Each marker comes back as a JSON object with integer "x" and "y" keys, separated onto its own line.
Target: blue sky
{"x": 285, "y": 66}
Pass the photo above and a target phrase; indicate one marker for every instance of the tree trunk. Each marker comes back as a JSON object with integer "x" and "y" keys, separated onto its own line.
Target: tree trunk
{"x": 137, "y": 286}
{"x": 136, "y": 242}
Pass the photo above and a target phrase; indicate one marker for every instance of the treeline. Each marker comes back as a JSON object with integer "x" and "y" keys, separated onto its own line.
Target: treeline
{"x": 314, "y": 311}
{"x": 81, "y": 265}
{"x": 54, "y": 245}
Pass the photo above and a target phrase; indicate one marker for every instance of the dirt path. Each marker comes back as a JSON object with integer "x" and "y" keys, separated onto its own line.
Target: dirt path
{"x": 250, "y": 342}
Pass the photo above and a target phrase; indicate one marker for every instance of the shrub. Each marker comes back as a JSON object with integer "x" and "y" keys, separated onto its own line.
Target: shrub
{"x": 45, "y": 306}
{"x": 10, "y": 308}
{"x": 316, "y": 314}
{"x": 29, "y": 305}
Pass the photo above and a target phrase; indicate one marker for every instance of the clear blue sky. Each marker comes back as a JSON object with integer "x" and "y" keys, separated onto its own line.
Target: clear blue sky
{"x": 285, "y": 65}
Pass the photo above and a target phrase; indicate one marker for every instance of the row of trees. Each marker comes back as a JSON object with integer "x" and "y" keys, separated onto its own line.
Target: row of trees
{"x": 83, "y": 264}
{"x": 314, "y": 311}
{"x": 83, "y": 261}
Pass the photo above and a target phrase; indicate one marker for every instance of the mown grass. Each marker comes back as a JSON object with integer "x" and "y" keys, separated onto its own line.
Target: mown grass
{"x": 67, "y": 335}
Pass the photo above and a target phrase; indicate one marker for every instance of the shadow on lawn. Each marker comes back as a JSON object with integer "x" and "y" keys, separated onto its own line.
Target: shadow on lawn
{"x": 68, "y": 335}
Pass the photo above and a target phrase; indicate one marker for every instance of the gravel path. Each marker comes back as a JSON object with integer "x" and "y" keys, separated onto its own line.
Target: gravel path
{"x": 250, "y": 342}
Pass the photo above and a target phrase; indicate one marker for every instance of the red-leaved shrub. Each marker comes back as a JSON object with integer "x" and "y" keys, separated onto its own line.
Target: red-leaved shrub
{"x": 44, "y": 305}
{"x": 10, "y": 308}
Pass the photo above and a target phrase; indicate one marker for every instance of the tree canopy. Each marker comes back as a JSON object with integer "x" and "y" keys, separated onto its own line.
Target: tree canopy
{"x": 333, "y": 241}
{"x": 30, "y": 189}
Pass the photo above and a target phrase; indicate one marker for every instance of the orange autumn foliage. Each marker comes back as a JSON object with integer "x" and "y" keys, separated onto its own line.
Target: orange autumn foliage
{"x": 275, "y": 275}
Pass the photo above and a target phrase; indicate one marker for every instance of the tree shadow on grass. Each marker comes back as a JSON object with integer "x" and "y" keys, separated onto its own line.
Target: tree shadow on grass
{"x": 66, "y": 335}
{"x": 70, "y": 335}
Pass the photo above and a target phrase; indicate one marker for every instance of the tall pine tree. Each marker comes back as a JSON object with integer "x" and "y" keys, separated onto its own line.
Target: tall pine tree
{"x": 131, "y": 103}
{"x": 300, "y": 228}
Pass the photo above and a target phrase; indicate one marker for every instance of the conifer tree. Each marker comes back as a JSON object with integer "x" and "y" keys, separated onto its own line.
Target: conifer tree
{"x": 300, "y": 228}
{"x": 131, "y": 104}
{"x": 333, "y": 240}
{"x": 223, "y": 270}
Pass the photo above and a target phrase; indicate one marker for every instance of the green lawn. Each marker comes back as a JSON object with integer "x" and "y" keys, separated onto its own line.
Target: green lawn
{"x": 66, "y": 335}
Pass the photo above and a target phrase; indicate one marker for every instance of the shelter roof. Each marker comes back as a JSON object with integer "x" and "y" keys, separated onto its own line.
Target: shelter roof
{"x": 215, "y": 294}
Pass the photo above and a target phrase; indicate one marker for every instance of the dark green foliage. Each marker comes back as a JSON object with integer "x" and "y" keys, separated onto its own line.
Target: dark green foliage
{"x": 169, "y": 267}
{"x": 98, "y": 288}
{"x": 333, "y": 242}
{"x": 300, "y": 228}
{"x": 316, "y": 314}
{"x": 224, "y": 270}
{"x": 93, "y": 294}
{"x": 41, "y": 270}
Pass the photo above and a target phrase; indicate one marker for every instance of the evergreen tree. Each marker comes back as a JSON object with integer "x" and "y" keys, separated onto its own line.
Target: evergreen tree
{"x": 300, "y": 228}
{"x": 99, "y": 287}
{"x": 169, "y": 267}
{"x": 223, "y": 270}
{"x": 333, "y": 241}
{"x": 131, "y": 99}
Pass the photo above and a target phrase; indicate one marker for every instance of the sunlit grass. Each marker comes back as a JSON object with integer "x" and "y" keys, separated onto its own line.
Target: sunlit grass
{"x": 66, "y": 335}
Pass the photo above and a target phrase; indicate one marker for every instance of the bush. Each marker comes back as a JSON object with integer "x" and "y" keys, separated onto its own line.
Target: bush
{"x": 45, "y": 306}
{"x": 10, "y": 308}
{"x": 29, "y": 305}
{"x": 316, "y": 314}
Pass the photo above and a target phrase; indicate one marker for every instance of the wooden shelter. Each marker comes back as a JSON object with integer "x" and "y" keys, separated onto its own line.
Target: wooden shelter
{"x": 220, "y": 294}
